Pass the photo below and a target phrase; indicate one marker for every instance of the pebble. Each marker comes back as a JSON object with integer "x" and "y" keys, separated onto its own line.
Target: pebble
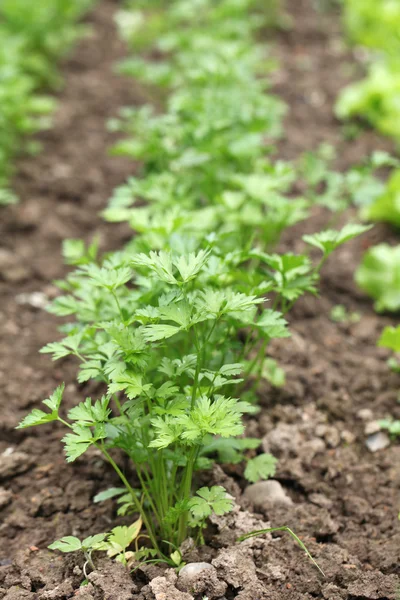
{"x": 265, "y": 492}
{"x": 372, "y": 427}
{"x": 192, "y": 569}
{"x": 377, "y": 441}
{"x": 320, "y": 500}
{"x": 365, "y": 414}
{"x": 330, "y": 434}
{"x": 348, "y": 437}
{"x": 5, "y": 497}
{"x": 14, "y": 464}
{"x": 34, "y": 299}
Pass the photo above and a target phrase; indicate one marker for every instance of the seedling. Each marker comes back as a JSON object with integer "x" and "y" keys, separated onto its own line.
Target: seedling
{"x": 290, "y": 532}
{"x": 340, "y": 314}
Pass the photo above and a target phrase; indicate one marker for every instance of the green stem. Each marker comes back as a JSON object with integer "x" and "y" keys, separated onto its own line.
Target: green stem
{"x": 185, "y": 493}
{"x": 138, "y": 506}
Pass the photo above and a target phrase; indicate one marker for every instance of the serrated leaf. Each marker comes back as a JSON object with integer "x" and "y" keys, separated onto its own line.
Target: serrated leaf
{"x": 209, "y": 500}
{"x": 160, "y": 263}
{"x": 88, "y": 413}
{"x": 260, "y": 467}
{"x": 130, "y": 383}
{"x": 121, "y": 538}
{"x": 39, "y": 417}
{"x": 189, "y": 266}
{"x": 273, "y": 324}
{"x": 327, "y": 241}
{"x": 76, "y": 443}
{"x": 154, "y": 333}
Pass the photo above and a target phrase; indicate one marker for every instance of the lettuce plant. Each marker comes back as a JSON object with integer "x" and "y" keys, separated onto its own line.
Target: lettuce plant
{"x": 376, "y": 97}
{"x": 379, "y": 276}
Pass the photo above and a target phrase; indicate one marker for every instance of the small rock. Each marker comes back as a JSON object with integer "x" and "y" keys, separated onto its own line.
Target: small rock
{"x": 201, "y": 578}
{"x": 377, "y": 441}
{"x": 192, "y": 569}
{"x": 330, "y": 434}
{"x": 267, "y": 492}
{"x": 34, "y": 299}
{"x": 285, "y": 438}
{"x": 348, "y": 437}
{"x": 312, "y": 448}
{"x": 163, "y": 588}
{"x": 14, "y": 464}
{"x": 320, "y": 500}
{"x": 365, "y": 414}
{"x": 372, "y": 427}
{"x": 5, "y": 497}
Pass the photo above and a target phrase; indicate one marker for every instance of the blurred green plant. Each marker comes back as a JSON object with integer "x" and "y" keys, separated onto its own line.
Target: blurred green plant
{"x": 34, "y": 36}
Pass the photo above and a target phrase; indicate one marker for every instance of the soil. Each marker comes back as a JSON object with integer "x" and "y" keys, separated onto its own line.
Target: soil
{"x": 339, "y": 497}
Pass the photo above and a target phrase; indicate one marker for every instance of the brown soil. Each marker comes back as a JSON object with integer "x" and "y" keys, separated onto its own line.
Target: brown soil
{"x": 345, "y": 499}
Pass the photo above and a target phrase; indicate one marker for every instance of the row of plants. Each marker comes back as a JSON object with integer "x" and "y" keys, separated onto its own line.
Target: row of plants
{"x": 174, "y": 328}
{"x": 35, "y": 35}
{"x": 376, "y": 99}
{"x": 375, "y": 27}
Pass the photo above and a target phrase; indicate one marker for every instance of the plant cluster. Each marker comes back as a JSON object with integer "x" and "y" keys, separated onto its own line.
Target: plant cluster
{"x": 376, "y": 26}
{"x": 175, "y": 326}
{"x": 34, "y": 36}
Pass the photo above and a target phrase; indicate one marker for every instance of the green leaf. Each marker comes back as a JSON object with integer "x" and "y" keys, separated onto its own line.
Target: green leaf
{"x": 390, "y": 338}
{"x": 69, "y": 345}
{"x": 387, "y": 206}
{"x": 189, "y": 266}
{"x": 109, "y": 278}
{"x": 107, "y": 494}
{"x": 87, "y": 413}
{"x": 176, "y": 558}
{"x": 121, "y": 538}
{"x": 159, "y": 263}
{"x": 208, "y": 501}
{"x": 39, "y": 417}
{"x": 130, "y": 383}
{"x": 76, "y": 253}
{"x": 327, "y": 241}
{"x": 229, "y": 450}
{"x": 62, "y": 306}
{"x": 379, "y": 276}
{"x": 166, "y": 432}
{"x": 272, "y": 324}
{"x": 223, "y": 416}
{"x": 262, "y": 466}
{"x": 67, "y": 544}
{"x": 76, "y": 443}
{"x": 93, "y": 542}
{"x": 273, "y": 373}
{"x": 154, "y": 333}
{"x": 392, "y": 426}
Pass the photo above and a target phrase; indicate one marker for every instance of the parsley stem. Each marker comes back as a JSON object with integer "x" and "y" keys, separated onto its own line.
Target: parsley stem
{"x": 139, "y": 507}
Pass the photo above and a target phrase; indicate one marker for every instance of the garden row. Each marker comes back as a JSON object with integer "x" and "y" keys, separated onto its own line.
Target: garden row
{"x": 34, "y": 36}
{"x": 175, "y": 325}
{"x": 375, "y": 99}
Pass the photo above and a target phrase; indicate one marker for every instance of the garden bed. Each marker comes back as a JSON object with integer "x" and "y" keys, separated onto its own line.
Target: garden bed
{"x": 340, "y": 498}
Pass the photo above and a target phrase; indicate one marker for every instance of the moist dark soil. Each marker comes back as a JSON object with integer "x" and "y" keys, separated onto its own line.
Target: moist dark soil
{"x": 339, "y": 497}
